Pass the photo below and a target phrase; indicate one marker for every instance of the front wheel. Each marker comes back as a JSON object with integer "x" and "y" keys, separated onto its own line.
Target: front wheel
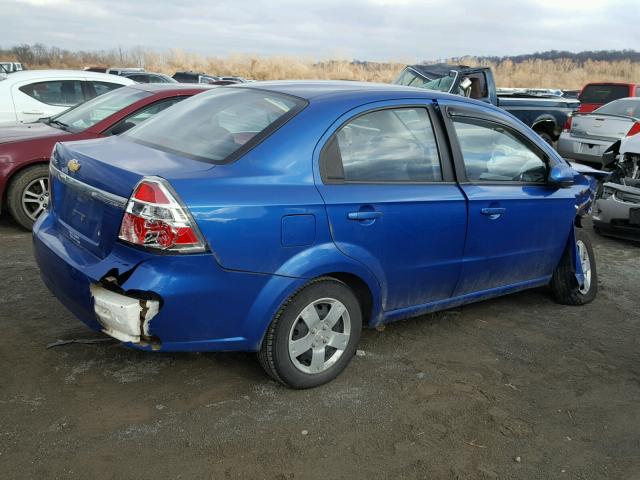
{"x": 564, "y": 284}
{"x": 314, "y": 335}
{"x": 28, "y": 195}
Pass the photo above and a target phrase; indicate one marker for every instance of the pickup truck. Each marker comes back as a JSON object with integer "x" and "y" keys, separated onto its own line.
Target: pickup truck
{"x": 545, "y": 111}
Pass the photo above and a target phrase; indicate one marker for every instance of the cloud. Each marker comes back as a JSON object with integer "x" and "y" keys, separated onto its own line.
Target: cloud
{"x": 364, "y": 29}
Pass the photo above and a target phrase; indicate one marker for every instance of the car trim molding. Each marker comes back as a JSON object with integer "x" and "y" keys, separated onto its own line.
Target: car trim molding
{"x": 94, "y": 192}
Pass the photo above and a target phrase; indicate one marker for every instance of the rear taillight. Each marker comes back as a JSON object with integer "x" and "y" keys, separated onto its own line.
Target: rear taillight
{"x": 155, "y": 218}
{"x": 634, "y": 130}
{"x": 567, "y": 124}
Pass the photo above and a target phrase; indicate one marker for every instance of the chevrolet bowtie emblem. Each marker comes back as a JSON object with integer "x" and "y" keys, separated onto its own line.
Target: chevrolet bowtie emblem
{"x": 73, "y": 165}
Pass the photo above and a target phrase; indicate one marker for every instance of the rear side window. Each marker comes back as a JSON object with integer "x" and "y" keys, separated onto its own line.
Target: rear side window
{"x": 603, "y": 93}
{"x": 395, "y": 145}
{"x": 626, "y": 107}
{"x": 217, "y": 126}
{"x": 63, "y": 93}
{"x": 104, "y": 87}
{"x": 493, "y": 153}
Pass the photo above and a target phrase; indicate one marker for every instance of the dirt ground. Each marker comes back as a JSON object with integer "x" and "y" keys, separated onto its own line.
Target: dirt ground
{"x": 517, "y": 387}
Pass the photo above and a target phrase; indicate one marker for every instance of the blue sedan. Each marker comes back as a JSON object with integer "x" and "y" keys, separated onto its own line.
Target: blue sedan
{"x": 282, "y": 217}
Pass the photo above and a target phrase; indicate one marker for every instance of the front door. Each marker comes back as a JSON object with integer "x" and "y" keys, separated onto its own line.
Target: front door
{"x": 392, "y": 202}
{"x": 518, "y": 224}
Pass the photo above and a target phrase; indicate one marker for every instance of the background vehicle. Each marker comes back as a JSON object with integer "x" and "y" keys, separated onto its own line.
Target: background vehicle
{"x": 24, "y": 174}
{"x": 195, "y": 77}
{"x": 123, "y": 70}
{"x": 30, "y": 95}
{"x": 11, "y": 67}
{"x": 148, "y": 77}
{"x": 350, "y": 190}
{"x": 546, "y": 113}
{"x": 617, "y": 207}
{"x": 595, "y": 95}
{"x": 588, "y": 135}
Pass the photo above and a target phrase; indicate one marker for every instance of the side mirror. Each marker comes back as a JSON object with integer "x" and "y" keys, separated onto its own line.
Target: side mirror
{"x": 561, "y": 176}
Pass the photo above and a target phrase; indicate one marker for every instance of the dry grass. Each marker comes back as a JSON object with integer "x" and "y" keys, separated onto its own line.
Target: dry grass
{"x": 562, "y": 73}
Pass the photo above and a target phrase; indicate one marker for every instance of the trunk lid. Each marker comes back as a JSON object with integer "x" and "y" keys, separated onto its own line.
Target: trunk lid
{"x": 88, "y": 202}
{"x": 601, "y": 127}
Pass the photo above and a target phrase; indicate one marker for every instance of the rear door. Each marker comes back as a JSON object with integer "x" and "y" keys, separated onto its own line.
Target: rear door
{"x": 518, "y": 224}
{"x": 392, "y": 202}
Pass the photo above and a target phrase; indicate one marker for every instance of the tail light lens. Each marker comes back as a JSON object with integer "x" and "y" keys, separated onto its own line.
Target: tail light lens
{"x": 567, "y": 124}
{"x": 634, "y": 130}
{"x": 155, "y": 218}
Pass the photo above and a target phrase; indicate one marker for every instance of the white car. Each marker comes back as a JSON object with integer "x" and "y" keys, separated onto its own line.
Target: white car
{"x": 29, "y": 95}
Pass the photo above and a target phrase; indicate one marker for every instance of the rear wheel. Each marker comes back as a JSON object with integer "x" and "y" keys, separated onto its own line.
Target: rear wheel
{"x": 564, "y": 283}
{"x": 313, "y": 336}
{"x": 28, "y": 195}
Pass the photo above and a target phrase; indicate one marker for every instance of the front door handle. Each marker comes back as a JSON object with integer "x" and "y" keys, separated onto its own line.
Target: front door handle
{"x": 364, "y": 215}
{"x": 33, "y": 112}
{"x": 493, "y": 212}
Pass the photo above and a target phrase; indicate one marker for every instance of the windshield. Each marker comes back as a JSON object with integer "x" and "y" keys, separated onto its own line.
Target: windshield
{"x": 411, "y": 78}
{"x": 217, "y": 125}
{"x": 626, "y": 107}
{"x": 89, "y": 113}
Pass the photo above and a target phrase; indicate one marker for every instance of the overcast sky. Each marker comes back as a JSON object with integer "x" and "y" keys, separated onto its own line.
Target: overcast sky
{"x": 382, "y": 30}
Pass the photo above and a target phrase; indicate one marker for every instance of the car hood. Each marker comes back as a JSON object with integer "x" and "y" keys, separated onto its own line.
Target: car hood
{"x": 29, "y": 131}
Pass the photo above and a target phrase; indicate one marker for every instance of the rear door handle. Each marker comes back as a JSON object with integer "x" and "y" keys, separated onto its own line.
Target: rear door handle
{"x": 364, "y": 215}
{"x": 493, "y": 212}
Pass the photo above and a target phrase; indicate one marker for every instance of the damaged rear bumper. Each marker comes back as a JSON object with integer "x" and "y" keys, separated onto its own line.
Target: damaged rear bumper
{"x": 123, "y": 317}
{"x": 159, "y": 302}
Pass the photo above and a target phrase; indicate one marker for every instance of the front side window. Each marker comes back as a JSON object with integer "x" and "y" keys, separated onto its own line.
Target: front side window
{"x": 97, "y": 109}
{"x": 493, "y": 153}
{"x": 63, "y": 93}
{"x": 395, "y": 145}
{"x": 215, "y": 125}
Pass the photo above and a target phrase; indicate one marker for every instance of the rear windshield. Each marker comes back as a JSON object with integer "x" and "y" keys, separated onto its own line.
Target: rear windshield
{"x": 89, "y": 113}
{"x": 217, "y": 126}
{"x": 626, "y": 107}
{"x": 603, "y": 93}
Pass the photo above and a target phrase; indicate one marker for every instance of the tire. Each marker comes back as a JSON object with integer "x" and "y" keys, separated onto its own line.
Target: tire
{"x": 564, "y": 283}
{"x": 546, "y": 137}
{"x": 30, "y": 179}
{"x": 324, "y": 350}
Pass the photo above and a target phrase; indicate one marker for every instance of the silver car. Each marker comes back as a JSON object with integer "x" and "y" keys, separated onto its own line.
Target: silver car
{"x": 591, "y": 134}
{"x": 617, "y": 209}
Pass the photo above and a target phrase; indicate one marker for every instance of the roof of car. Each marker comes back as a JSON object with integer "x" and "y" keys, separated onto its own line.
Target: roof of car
{"x": 314, "y": 89}
{"x": 163, "y": 87}
{"x": 35, "y": 74}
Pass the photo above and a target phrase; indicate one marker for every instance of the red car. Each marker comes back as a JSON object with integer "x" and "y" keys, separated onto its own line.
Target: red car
{"x": 25, "y": 149}
{"x": 595, "y": 95}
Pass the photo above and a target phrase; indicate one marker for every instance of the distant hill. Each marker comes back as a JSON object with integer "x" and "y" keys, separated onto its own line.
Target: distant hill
{"x": 579, "y": 57}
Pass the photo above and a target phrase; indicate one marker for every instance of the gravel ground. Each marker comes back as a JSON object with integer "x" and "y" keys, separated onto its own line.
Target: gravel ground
{"x": 517, "y": 387}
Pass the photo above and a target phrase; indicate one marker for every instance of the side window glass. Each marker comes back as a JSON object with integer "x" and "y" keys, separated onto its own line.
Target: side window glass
{"x": 64, "y": 93}
{"x": 141, "y": 115}
{"x": 104, "y": 87}
{"x": 395, "y": 145}
{"x": 494, "y": 153}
